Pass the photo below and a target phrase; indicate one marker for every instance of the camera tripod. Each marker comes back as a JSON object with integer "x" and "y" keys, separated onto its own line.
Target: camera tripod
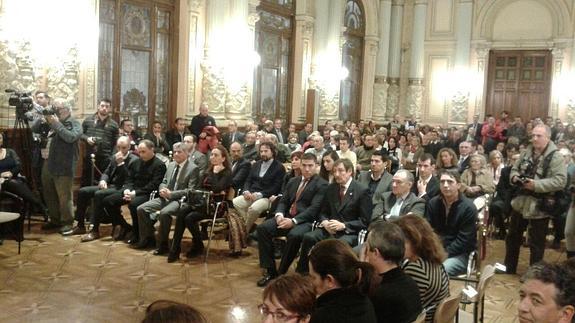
{"x": 22, "y": 129}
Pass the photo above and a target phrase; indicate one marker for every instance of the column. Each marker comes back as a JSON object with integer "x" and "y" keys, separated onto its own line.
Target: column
{"x": 238, "y": 77}
{"x": 394, "y": 58}
{"x": 193, "y": 57}
{"x": 302, "y": 65}
{"x": 331, "y": 62}
{"x": 213, "y": 85}
{"x": 381, "y": 86}
{"x": 570, "y": 104}
{"x": 415, "y": 87}
{"x": 460, "y": 97}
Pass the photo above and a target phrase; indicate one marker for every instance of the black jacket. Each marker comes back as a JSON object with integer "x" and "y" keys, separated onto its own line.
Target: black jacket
{"x": 431, "y": 190}
{"x": 145, "y": 176}
{"x": 458, "y": 231}
{"x": 354, "y": 211}
{"x": 117, "y": 175}
{"x": 240, "y": 173}
{"x": 270, "y": 184}
{"x": 396, "y": 299}
{"x": 309, "y": 201}
{"x": 343, "y": 306}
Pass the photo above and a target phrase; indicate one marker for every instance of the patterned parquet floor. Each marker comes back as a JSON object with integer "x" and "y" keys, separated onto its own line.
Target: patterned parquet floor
{"x": 60, "y": 279}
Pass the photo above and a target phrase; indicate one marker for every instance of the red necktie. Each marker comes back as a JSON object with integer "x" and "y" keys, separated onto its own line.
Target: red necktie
{"x": 341, "y": 193}
{"x": 293, "y": 209}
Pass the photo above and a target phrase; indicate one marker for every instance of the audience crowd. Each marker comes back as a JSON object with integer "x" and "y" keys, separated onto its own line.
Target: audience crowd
{"x": 380, "y": 217}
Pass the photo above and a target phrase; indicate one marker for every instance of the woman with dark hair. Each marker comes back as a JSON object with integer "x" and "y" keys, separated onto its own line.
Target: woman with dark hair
{"x": 164, "y": 311}
{"x": 326, "y": 168}
{"x": 288, "y": 298}
{"x": 217, "y": 180}
{"x": 342, "y": 283}
{"x": 424, "y": 256}
{"x": 10, "y": 167}
{"x": 395, "y": 153}
{"x": 446, "y": 159}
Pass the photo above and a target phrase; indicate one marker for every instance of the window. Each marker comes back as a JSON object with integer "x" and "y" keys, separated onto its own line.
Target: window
{"x": 273, "y": 42}
{"x": 135, "y": 65}
{"x": 352, "y": 61}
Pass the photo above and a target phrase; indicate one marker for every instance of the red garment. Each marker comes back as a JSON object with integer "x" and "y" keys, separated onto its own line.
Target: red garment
{"x": 493, "y": 132}
{"x": 210, "y": 141}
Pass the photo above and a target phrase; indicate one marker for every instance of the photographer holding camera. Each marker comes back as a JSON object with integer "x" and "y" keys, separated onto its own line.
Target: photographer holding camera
{"x": 100, "y": 133}
{"x": 540, "y": 175}
{"x": 61, "y": 155}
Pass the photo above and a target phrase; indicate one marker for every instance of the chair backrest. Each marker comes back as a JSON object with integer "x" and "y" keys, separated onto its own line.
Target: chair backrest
{"x": 447, "y": 309}
{"x": 486, "y": 277}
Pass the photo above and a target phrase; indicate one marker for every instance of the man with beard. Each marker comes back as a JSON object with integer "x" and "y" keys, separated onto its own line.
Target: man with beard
{"x": 100, "y": 133}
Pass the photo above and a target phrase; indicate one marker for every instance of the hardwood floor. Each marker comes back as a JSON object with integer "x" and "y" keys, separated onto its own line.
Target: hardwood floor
{"x": 60, "y": 279}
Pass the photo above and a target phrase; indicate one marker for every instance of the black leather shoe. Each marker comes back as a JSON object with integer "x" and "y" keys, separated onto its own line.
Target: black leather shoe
{"x": 122, "y": 232}
{"x": 173, "y": 256}
{"x": 265, "y": 280}
{"x": 147, "y": 243}
{"x": 162, "y": 250}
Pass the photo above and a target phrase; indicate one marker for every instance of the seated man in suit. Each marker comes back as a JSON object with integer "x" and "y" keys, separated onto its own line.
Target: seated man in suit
{"x": 232, "y": 135}
{"x": 453, "y": 217}
{"x": 240, "y": 166}
{"x": 194, "y": 155}
{"x": 377, "y": 179}
{"x": 145, "y": 175}
{"x": 111, "y": 181}
{"x": 400, "y": 200}
{"x": 178, "y": 132}
{"x": 346, "y": 210}
{"x": 425, "y": 186}
{"x": 249, "y": 146}
{"x": 182, "y": 175}
{"x": 265, "y": 179}
{"x": 301, "y": 201}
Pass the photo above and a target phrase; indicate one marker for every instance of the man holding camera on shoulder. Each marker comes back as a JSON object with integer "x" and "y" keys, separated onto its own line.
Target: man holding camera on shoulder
{"x": 61, "y": 155}
{"x": 541, "y": 175}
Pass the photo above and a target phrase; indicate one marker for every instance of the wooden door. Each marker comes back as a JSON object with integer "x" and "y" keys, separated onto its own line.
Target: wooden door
{"x": 519, "y": 82}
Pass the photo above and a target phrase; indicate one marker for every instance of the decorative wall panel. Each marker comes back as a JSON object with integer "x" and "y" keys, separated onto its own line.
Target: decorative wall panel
{"x": 442, "y": 18}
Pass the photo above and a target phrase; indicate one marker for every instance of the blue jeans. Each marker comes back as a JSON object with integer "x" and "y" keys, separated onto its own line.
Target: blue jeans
{"x": 456, "y": 265}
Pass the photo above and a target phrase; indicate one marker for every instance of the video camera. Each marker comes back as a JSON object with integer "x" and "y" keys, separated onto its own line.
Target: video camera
{"x": 527, "y": 171}
{"x": 22, "y": 101}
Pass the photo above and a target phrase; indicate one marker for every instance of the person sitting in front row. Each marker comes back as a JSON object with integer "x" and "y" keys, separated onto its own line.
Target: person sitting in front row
{"x": 342, "y": 283}
{"x": 288, "y": 298}
{"x": 396, "y": 299}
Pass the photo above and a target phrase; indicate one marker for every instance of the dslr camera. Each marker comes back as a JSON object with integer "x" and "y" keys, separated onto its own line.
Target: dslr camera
{"x": 526, "y": 171}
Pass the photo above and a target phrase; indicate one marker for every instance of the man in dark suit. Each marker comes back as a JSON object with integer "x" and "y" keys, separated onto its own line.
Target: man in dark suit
{"x": 265, "y": 179}
{"x": 145, "y": 175}
{"x": 181, "y": 176}
{"x": 240, "y": 166}
{"x": 464, "y": 153}
{"x": 346, "y": 210}
{"x": 377, "y": 179}
{"x": 279, "y": 132}
{"x": 249, "y": 147}
{"x": 301, "y": 201}
{"x": 474, "y": 129}
{"x": 232, "y": 135}
{"x": 400, "y": 200}
{"x": 111, "y": 180}
{"x": 200, "y": 121}
{"x": 425, "y": 186}
{"x": 177, "y": 133}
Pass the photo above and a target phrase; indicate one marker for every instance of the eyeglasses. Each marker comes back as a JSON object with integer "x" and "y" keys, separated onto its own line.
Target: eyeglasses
{"x": 277, "y": 316}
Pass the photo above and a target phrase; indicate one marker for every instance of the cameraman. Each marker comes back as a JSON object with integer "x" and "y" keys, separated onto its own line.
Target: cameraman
{"x": 61, "y": 155}
{"x": 541, "y": 175}
{"x": 100, "y": 133}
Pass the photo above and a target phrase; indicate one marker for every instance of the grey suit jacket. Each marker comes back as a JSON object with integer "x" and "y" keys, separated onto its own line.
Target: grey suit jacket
{"x": 411, "y": 204}
{"x": 199, "y": 159}
{"x": 189, "y": 178}
{"x": 383, "y": 186}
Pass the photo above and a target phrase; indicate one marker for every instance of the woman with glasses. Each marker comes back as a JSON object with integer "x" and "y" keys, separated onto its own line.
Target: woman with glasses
{"x": 288, "y": 298}
{"x": 342, "y": 283}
